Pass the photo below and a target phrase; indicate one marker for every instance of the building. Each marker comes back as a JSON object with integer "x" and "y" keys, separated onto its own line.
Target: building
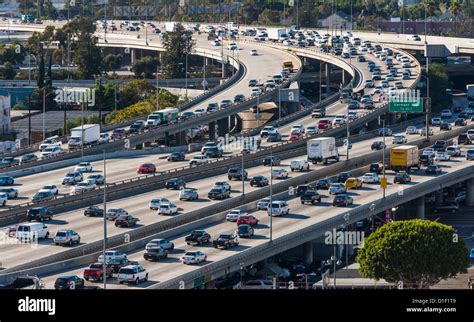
{"x": 5, "y": 106}
{"x": 338, "y": 20}
{"x": 9, "y": 8}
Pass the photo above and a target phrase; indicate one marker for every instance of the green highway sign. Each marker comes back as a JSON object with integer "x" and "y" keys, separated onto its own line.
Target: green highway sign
{"x": 406, "y": 106}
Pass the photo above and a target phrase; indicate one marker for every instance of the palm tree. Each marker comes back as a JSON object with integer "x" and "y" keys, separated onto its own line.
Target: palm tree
{"x": 454, "y": 9}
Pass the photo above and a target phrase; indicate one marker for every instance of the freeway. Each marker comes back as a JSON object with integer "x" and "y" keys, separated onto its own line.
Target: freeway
{"x": 301, "y": 216}
{"x": 90, "y": 229}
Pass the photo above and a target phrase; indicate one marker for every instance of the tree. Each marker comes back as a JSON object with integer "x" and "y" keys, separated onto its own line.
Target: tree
{"x": 113, "y": 62}
{"x": 454, "y": 9}
{"x": 7, "y": 71}
{"x": 145, "y": 67}
{"x": 178, "y": 44}
{"x": 131, "y": 92}
{"x": 439, "y": 82}
{"x": 269, "y": 17}
{"x": 418, "y": 253}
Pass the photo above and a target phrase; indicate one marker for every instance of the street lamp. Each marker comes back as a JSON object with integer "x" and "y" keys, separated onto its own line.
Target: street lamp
{"x": 427, "y": 102}
{"x": 383, "y": 155}
{"x": 334, "y": 261}
{"x": 271, "y": 193}
{"x": 44, "y": 109}
{"x": 105, "y": 222}
{"x": 243, "y": 171}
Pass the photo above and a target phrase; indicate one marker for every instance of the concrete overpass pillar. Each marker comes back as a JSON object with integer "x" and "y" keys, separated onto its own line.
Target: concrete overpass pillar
{"x": 420, "y": 207}
{"x": 231, "y": 122}
{"x": 308, "y": 252}
{"x": 343, "y": 77}
{"x": 181, "y": 138}
{"x": 439, "y": 197}
{"x": 133, "y": 55}
{"x": 470, "y": 192}
{"x": 212, "y": 130}
{"x": 208, "y": 61}
{"x": 327, "y": 70}
{"x": 139, "y": 146}
{"x": 224, "y": 70}
{"x": 223, "y": 127}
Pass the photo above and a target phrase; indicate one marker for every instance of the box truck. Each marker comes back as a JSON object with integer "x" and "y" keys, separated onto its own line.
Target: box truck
{"x": 404, "y": 158}
{"x": 162, "y": 117}
{"x": 277, "y": 34}
{"x": 322, "y": 150}
{"x": 170, "y": 26}
{"x": 91, "y": 136}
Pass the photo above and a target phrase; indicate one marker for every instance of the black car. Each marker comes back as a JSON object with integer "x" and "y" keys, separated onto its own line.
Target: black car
{"x": 310, "y": 196}
{"x": 236, "y": 173}
{"x": 214, "y": 152}
{"x": 445, "y": 126}
{"x": 245, "y": 231}
{"x": 259, "y": 181}
{"x": 464, "y": 115}
{"x": 460, "y": 122}
{"x": 433, "y": 169}
{"x": 70, "y": 282}
{"x": 126, "y": 221}
{"x": 39, "y": 214}
{"x": 271, "y": 160}
{"x": 441, "y": 145}
{"x": 218, "y": 193}
{"x": 30, "y": 157}
{"x": 94, "y": 211}
{"x": 239, "y": 98}
{"x": 323, "y": 184}
{"x": 402, "y": 178}
{"x": 117, "y": 263}
{"x": 343, "y": 176}
{"x": 136, "y": 127}
{"x": 377, "y": 145}
{"x": 274, "y": 137}
{"x": 302, "y": 188}
{"x": 375, "y": 168}
{"x": 197, "y": 237}
{"x": 464, "y": 139}
{"x": 175, "y": 184}
{"x": 211, "y": 107}
{"x": 43, "y": 196}
{"x": 152, "y": 254}
{"x": 226, "y": 241}
{"x": 426, "y": 160}
{"x": 176, "y": 156}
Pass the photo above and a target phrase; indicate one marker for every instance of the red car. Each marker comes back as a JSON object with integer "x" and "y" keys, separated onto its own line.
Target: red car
{"x": 95, "y": 272}
{"x": 324, "y": 124}
{"x": 296, "y": 135}
{"x": 117, "y": 134}
{"x": 247, "y": 220}
{"x": 146, "y": 168}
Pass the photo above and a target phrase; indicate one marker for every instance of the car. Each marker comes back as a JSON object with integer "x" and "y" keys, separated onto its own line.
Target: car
{"x": 132, "y": 273}
{"x": 324, "y": 124}
{"x": 445, "y": 126}
{"x": 104, "y": 138}
{"x": 117, "y": 134}
{"x": 226, "y": 241}
{"x": 436, "y": 121}
{"x": 3, "y": 198}
{"x": 411, "y": 130}
{"x": 353, "y": 183}
{"x": 271, "y": 160}
{"x": 244, "y": 231}
{"x": 266, "y": 130}
{"x": 256, "y": 91}
{"x": 274, "y": 137}
{"x": 194, "y": 257}
{"x": 9, "y": 162}
{"x": 113, "y": 213}
{"x": 338, "y": 121}
{"x": 463, "y": 138}
{"x": 253, "y": 52}
{"x": 197, "y": 237}
{"x": 84, "y": 167}
{"x": 429, "y": 152}
{"x": 298, "y": 127}
{"x": 279, "y": 174}
{"x": 225, "y": 103}
{"x": 176, "y": 156}
{"x": 155, "y": 253}
{"x": 66, "y": 237}
{"x": 433, "y": 169}
{"x": 27, "y": 158}
{"x": 262, "y": 204}
{"x": 175, "y": 183}
{"x": 446, "y": 113}
{"x": 146, "y": 168}
{"x": 337, "y": 188}
{"x": 370, "y": 178}
{"x": 68, "y": 282}
{"x": 377, "y": 145}
{"x": 460, "y": 122}
{"x": 342, "y": 200}
{"x": 95, "y": 271}
{"x": 442, "y": 156}
{"x": 252, "y": 83}
{"x": 413, "y": 37}
{"x": 200, "y": 111}
{"x": 426, "y": 159}
{"x": 39, "y": 214}
{"x": 237, "y": 173}
{"x": 399, "y": 139}
{"x": 6, "y": 181}
{"x": 247, "y": 220}
{"x": 470, "y": 154}
{"x": 50, "y": 152}
{"x": 361, "y": 59}
{"x": 453, "y": 151}
{"x": 299, "y": 165}
{"x": 168, "y": 209}
{"x": 234, "y": 214}
{"x": 97, "y": 179}
{"x": 310, "y": 196}
{"x": 402, "y": 178}
{"x": 423, "y": 131}
{"x": 41, "y": 196}
{"x": 312, "y": 130}
{"x": 215, "y": 43}
{"x": 464, "y": 115}
{"x": 82, "y": 187}
{"x": 343, "y": 176}
{"x": 94, "y": 211}
{"x": 452, "y": 207}
{"x": 295, "y": 135}
{"x": 136, "y": 127}
{"x": 126, "y": 221}
{"x": 11, "y": 193}
{"x": 72, "y": 178}
{"x": 302, "y": 188}
{"x": 218, "y": 192}
{"x": 259, "y": 181}
{"x": 369, "y": 83}
{"x": 442, "y": 145}
{"x": 225, "y": 185}
{"x": 239, "y": 98}
{"x": 385, "y": 131}
{"x": 188, "y": 194}
{"x": 323, "y": 184}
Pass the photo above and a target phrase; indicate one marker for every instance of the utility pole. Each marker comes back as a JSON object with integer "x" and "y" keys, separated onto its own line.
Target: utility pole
{"x": 157, "y": 88}
{"x": 271, "y": 193}
{"x": 105, "y": 223}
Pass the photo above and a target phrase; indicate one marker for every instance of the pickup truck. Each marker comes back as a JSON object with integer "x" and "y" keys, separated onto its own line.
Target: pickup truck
{"x": 226, "y": 241}
{"x": 197, "y": 237}
{"x": 95, "y": 272}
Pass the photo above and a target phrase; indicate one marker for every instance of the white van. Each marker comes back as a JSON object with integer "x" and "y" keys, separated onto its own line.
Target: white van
{"x": 32, "y": 231}
{"x": 278, "y": 208}
{"x": 299, "y": 165}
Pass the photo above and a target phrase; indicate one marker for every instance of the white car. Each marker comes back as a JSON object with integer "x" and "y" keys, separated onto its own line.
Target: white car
{"x": 370, "y": 178}
{"x": 96, "y": 178}
{"x": 82, "y": 187}
{"x": 84, "y": 167}
{"x": 298, "y": 127}
{"x": 266, "y": 130}
{"x": 454, "y": 151}
{"x": 168, "y": 209}
{"x": 442, "y": 156}
{"x": 54, "y": 140}
{"x": 399, "y": 139}
{"x": 198, "y": 160}
{"x": 132, "y": 273}
{"x": 50, "y": 152}
{"x": 436, "y": 121}
{"x": 3, "y": 198}
{"x": 104, "y": 138}
{"x": 156, "y": 202}
{"x": 234, "y": 214}
{"x": 262, "y": 204}
{"x": 72, "y": 178}
{"x": 113, "y": 213}
{"x": 111, "y": 255}
{"x": 339, "y": 121}
{"x": 423, "y": 131}
{"x": 255, "y": 92}
{"x": 194, "y": 257}
{"x": 337, "y": 188}
{"x": 429, "y": 152}
{"x": 411, "y": 130}
{"x": 312, "y": 130}
{"x": 253, "y": 52}
{"x": 299, "y": 165}
{"x": 279, "y": 174}
{"x": 215, "y": 43}
{"x": 50, "y": 188}
{"x": 163, "y": 243}
{"x": 446, "y": 113}
{"x": 232, "y": 46}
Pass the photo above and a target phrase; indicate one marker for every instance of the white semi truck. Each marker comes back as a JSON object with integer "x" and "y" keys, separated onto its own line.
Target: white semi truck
{"x": 322, "y": 150}
{"x": 91, "y": 136}
{"x": 277, "y": 34}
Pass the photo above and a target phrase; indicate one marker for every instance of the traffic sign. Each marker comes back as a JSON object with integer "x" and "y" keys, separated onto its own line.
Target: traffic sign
{"x": 204, "y": 83}
{"x": 406, "y": 106}
{"x": 383, "y": 183}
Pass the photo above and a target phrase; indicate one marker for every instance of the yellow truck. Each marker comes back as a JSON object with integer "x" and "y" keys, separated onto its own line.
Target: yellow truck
{"x": 404, "y": 158}
{"x": 288, "y": 64}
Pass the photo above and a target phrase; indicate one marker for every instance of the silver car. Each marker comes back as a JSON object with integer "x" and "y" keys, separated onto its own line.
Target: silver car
{"x": 66, "y": 237}
{"x": 188, "y": 194}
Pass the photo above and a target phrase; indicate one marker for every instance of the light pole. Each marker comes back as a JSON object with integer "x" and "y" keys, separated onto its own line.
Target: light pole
{"x": 334, "y": 261}
{"x": 186, "y": 76}
{"x": 243, "y": 171}
{"x": 427, "y": 103}
{"x": 105, "y": 222}
{"x": 157, "y": 88}
{"x": 44, "y": 110}
{"x": 271, "y": 193}
{"x": 279, "y": 102}
{"x": 383, "y": 156}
